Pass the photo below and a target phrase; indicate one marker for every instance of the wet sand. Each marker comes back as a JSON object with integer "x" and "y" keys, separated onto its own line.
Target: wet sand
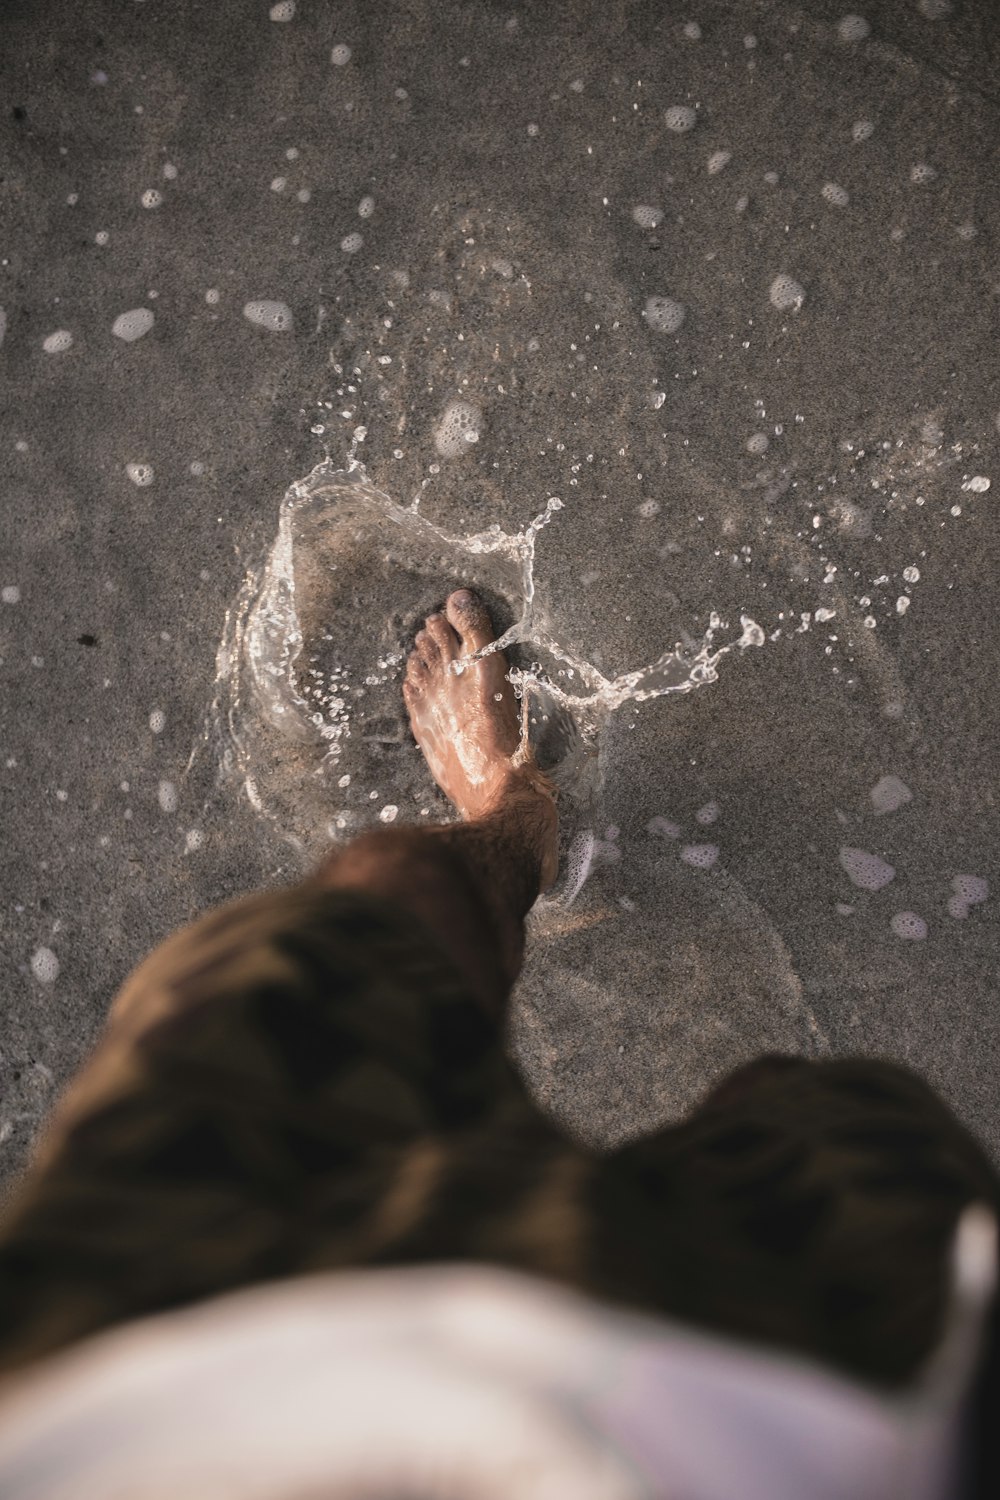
{"x": 811, "y": 455}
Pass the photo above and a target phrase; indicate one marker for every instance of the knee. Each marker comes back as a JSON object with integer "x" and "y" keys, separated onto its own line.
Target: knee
{"x": 390, "y": 856}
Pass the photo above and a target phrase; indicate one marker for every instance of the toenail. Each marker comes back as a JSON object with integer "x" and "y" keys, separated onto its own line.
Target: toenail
{"x": 463, "y": 598}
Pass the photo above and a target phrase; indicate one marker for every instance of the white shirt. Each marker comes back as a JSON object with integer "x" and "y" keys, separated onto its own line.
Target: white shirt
{"x": 473, "y": 1383}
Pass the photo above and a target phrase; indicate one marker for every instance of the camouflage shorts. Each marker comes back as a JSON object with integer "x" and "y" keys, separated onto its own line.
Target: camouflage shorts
{"x": 301, "y": 1081}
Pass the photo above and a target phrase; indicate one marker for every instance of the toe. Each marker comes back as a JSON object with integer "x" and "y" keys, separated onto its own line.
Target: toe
{"x": 427, "y": 647}
{"x": 416, "y": 670}
{"x": 443, "y": 635}
{"x": 471, "y": 619}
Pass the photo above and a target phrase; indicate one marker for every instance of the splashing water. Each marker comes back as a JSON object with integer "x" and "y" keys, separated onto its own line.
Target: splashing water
{"x": 309, "y": 713}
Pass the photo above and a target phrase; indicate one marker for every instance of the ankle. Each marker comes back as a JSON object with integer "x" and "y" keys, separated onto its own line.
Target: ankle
{"x": 527, "y": 797}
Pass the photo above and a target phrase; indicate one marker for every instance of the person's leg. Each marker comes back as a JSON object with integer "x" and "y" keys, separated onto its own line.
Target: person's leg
{"x": 468, "y": 884}
{"x": 304, "y": 1078}
{"x": 808, "y": 1205}
{"x": 472, "y": 883}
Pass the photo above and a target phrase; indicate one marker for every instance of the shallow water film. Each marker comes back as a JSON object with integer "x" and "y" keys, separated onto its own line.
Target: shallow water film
{"x": 671, "y": 328}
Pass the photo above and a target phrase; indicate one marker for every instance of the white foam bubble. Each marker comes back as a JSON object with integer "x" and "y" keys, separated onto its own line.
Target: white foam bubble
{"x": 193, "y": 839}
{"x": 277, "y": 316}
{"x": 663, "y": 828}
{"x": 691, "y": 31}
{"x": 853, "y": 28}
{"x": 786, "y": 293}
{"x": 978, "y": 485}
{"x": 663, "y": 314}
{"x": 906, "y": 924}
{"x": 166, "y": 795}
{"x": 862, "y": 130}
{"x": 717, "y": 161}
{"x": 389, "y": 813}
{"x": 972, "y": 889}
{"x": 132, "y": 325}
{"x": 758, "y": 442}
{"x": 702, "y": 856}
{"x": 151, "y": 198}
{"x": 278, "y": 184}
{"x": 889, "y": 794}
{"x": 169, "y": 171}
{"x": 45, "y": 965}
{"x": 284, "y": 10}
{"x": 922, "y": 172}
{"x": 10, "y": 594}
{"x": 351, "y": 243}
{"x": 646, "y": 216}
{"x": 850, "y": 518}
{"x": 680, "y": 118}
{"x": 707, "y": 814}
{"x": 366, "y": 207}
{"x": 340, "y": 55}
{"x": 460, "y": 424}
{"x": 212, "y": 296}
{"x": 580, "y": 860}
{"x": 58, "y": 342}
{"x": 303, "y": 195}
{"x": 835, "y": 194}
{"x": 157, "y": 721}
{"x": 140, "y": 474}
{"x": 864, "y": 869}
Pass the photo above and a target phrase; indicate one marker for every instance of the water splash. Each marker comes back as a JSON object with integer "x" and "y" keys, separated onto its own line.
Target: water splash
{"x": 308, "y": 711}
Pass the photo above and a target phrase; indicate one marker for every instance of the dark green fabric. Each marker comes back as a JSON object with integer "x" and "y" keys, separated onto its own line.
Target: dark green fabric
{"x": 301, "y": 1081}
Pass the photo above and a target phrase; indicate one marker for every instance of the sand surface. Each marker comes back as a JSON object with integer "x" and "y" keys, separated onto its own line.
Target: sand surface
{"x": 724, "y": 279}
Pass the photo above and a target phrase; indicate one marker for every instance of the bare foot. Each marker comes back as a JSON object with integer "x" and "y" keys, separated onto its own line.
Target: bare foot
{"x": 467, "y": 723}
